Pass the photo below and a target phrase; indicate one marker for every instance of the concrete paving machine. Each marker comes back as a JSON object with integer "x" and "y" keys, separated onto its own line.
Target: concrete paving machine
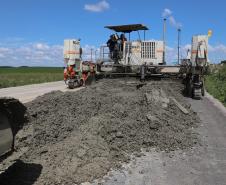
{"x": 196, "y": 66}
{"x": 146, "y": 58}
{"x": 12, "y": 118}
{"x": 77, "y": 72}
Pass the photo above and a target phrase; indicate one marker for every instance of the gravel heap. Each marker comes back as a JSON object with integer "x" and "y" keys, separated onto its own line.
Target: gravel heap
{"x": 79, "y": 136}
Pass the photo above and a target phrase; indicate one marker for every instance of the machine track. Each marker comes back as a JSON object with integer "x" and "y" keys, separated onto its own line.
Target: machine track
{"x": 197, "y": 94}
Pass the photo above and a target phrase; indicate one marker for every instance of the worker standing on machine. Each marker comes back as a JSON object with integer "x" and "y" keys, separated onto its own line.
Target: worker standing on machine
{"x": 122, "y": 41}
{"x": 116, "y": 48}
{"x": 111, "y": 45}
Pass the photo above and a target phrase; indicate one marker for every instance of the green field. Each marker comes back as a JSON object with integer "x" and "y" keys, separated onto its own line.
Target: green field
{"x": 216, "y": 84}
{"x": 16, "y": 76}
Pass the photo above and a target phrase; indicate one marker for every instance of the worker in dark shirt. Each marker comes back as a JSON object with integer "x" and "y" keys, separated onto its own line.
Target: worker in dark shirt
{"x": 122, "y": 41}
{"x": 111, "y": 43}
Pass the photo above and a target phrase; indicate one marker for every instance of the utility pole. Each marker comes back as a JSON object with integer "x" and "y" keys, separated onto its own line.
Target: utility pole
{"x": 91, "y": 55}
{"x": 96, "y": 54}
{"x": 178, "y": 47}
{"x": 164, "y": 41}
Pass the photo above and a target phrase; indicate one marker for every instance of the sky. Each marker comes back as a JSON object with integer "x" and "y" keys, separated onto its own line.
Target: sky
{"x": 32, "y": 31}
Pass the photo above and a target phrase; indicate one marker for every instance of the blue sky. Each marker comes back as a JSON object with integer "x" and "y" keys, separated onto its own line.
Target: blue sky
{"x": 32, "y": 31}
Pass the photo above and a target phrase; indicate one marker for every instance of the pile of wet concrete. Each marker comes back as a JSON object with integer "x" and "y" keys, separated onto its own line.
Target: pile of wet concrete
{"x": 79, "y": 136}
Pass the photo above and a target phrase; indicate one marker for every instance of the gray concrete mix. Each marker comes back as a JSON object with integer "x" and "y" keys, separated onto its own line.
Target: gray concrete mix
{"x": 94, "y": 139}
{"x": 202, "y": 165}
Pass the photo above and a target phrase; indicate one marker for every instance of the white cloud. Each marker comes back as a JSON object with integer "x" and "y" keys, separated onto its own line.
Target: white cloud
{"x": 32, "y": 54}
{"x": 174, "y": 23}
{"x": 2, "y": 55}
{"x": 3, "y": 49}
{"x": 186, "y": 47}
{"x": 167, "y": 13}
{"x": 219, "y": 48}
{"x": 98, "y": 7}
{"x": 41, "y": 46}
{"x": 217, "y": 53}
{"x": 39, "y": 54}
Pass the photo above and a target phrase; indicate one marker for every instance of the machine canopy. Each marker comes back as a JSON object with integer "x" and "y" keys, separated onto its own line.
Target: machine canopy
{"x": 127, "y": 28}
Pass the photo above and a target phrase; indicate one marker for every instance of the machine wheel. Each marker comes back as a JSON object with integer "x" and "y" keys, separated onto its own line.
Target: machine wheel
{"x": 190, "y": 89}
{"x": 6, "y": 134}
{"x": 71, "y": 85}
{"x": 142, "y": 73}
{"x": 81, "y": 82}
{"x": 190, "y": 92}
{"x": 197, "y": 94}
{"x": 203, "y": 91}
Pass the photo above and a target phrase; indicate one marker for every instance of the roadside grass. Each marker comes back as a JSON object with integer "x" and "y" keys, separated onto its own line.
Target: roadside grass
{"x": 215, "y": 84}
{"x": 17, "y": 76}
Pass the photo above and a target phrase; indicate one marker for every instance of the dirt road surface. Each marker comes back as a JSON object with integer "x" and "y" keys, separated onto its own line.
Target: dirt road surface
{"x": 98, "y": 133}
{"x": 28, "y": 93}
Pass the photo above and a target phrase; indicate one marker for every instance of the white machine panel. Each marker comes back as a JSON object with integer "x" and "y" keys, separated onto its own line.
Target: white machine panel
{"x": 140, "y": 52}
{"x": 199, "y": 47}
{"x": 71, "y": 51}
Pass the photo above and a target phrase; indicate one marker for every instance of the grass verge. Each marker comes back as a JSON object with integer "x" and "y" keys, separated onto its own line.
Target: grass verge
{"x": 216, "y": 84}
{"x": 17, "y": 76}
